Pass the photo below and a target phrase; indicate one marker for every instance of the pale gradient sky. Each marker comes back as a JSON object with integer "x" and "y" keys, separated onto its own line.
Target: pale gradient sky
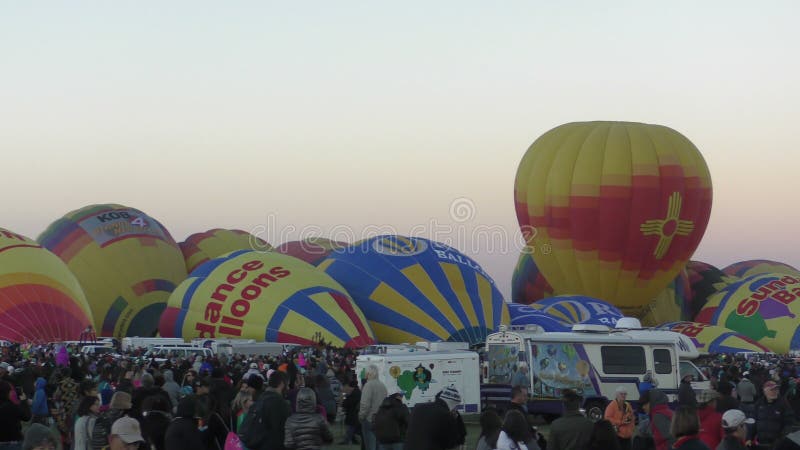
{"x": 204, "y": 114}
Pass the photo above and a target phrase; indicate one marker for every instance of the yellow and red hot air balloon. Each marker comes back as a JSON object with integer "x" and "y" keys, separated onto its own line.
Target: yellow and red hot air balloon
{"x": 40, "y": 299}
{"x": 614, "y": 209}
{"x": 201, "y": 247}
{"x": 265, "y": 296}
{"x": 126, "y": 262}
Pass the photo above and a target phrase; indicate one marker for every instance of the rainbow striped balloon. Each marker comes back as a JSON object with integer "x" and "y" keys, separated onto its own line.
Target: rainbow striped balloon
{"x": 40, "y": 299}
{"x": 413, "y": 289}
{"x": 613, "y": 209}
{"x": 201, "y": 247}
{"x": 126, "y": 262}
{"x": 528, "y": 285}
{"x": 264, "y": 296}
{"x": 744, "y": 269}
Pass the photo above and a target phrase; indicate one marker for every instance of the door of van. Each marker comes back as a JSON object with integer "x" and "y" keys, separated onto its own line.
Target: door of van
{"x": 665, "y": 367}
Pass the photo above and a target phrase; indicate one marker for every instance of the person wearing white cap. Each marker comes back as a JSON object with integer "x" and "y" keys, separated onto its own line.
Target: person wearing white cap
{"x": 620, "y": 414}
{"x": 734, "y": 424}
{"x": 125, "y": 434}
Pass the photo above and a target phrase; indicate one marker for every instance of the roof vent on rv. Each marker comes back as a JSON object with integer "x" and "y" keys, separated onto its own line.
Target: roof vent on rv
{"x": 588, "y": 327}
{"x": 629, "y": 323}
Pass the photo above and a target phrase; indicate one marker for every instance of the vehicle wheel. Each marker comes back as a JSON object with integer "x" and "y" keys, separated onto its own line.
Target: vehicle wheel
{"x": 595, "y": 410}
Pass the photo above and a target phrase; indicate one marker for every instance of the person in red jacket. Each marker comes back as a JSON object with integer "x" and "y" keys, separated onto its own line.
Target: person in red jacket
{"x": 655, "y": 404}
{"x": 711, "y": 432}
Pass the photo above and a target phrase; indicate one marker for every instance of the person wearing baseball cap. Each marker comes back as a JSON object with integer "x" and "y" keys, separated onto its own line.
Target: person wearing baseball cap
{"x": 436, "y": 425}
{"x": 773, "y": 415}
{"x": 734, "y": 424}
{"x": 710, "y": 419}
{"x": 125, "y": 434}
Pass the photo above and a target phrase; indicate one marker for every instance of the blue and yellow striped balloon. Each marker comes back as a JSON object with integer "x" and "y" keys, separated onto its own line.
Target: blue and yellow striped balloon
{"x": 414, "y": 289}
{"x": 574, "y": 309}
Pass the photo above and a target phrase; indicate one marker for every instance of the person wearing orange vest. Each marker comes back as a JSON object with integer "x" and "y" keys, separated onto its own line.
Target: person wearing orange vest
{"x": 620, "y": 413}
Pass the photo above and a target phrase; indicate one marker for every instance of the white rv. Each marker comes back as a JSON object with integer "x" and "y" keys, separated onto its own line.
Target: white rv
{"x": 423, "y": 374}
{"x": 593, "y": 360}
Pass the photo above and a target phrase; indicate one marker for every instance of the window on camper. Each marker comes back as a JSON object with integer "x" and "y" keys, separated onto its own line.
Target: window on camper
{"x": 623, "y": 360}
{"x": 662, "y": 360}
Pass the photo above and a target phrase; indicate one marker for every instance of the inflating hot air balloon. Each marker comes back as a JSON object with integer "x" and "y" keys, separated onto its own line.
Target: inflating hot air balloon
{"x": 264, "y": 296}
{"x": 714, "y": 339}
{"x": 40, "y": 299}
{"x": 126, "y": 262}
{"x": 673, "y": 304}
{"x": 528, "y": 284}
{"x": 413, "y": 289}
{"x": 614, "y": 209}
{"x": 311, "y": 250}
{"x": 528, "y": 315}
{"x": 705, "y": 280}
{"x": 201, "y": 247}
{"x": 764, "y": 307}
{"x": 745, "y": 269}
{"x": 573, "y": 309}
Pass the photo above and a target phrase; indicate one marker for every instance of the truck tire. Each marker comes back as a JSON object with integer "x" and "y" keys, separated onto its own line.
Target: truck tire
{"x": 595, "y": 410}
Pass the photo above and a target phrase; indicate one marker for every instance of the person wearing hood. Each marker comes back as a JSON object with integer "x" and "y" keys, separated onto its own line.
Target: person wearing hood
{"x": 40, "y": 409}
{"x": 391, "y": 422}
{"x": 40, "y": 436}
{"x": 12, "y": 414}
{"x": 660, "y": 415}
{"x": 182, "y": 433}
{"x": 306, "y": 429}
{"x": 686, "y": 395}
{"x": 172, "y": 388}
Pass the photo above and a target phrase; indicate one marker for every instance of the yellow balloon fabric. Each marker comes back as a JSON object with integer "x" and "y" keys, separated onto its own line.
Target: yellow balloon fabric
{"x": 40, "y": 299}
{"x": 764, "y": 307}
{"x": 201, "y": 247}
{"x": 126, "y": 262}
{"x": 265, "y": 296}
{"x": 613, "y": 209}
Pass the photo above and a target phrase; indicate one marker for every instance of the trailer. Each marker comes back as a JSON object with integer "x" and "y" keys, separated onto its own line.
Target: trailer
{"x": 592, "y": 360}
{"x": 421, "y": 374}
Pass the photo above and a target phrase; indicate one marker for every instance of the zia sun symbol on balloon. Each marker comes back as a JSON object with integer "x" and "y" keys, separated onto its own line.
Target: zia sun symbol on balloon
{"x": 669, "y": 227}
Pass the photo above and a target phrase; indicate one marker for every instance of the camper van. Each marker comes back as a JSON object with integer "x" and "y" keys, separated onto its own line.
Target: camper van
{"x": 591, "y": 359}
{"x": 421, "y": 374}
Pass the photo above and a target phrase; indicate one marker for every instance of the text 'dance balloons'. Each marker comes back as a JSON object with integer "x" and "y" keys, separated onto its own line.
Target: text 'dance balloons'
{"x": 126, "y": 262}
{"x": 528, "y": 315}
{"x": 413, "y": 289}
{"x": 574, "y": 309}
{"x": 40, "y": 299}
{"x": 715, "y": 339}
{"x": 311, "y": 250}
{"x": 264, "y": 296}
{"x": 763, "y": 307}
{"x": 528, "y": 284}
{"x": 201, "y": 247}
{"x": 613, "y": 209}
{"x": 745, "y": 269}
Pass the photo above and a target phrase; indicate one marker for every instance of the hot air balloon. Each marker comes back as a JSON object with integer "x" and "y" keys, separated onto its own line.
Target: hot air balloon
{"x": 714, "y": 339}
{"x": 705, "y": 280}
{"x": 264, "y": 296}
{"x": 763, "y": 307}
{"x": 673, "y": 304}
{"x": 201, "y": 247}
{"x": 573, "y": 309}
{"x": 126, "y": 262}
{"x": 412, "y": 289}
{"x": 311, "y": 250}
{"x": 745, "y": 269}
{"x": 528, "y": 284}
{"x": 528, "y": 315}
{"x": 40, "y": 299}
{"x": 614, "y": 209}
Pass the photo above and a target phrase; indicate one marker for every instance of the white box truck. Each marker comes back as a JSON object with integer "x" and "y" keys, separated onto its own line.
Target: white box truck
{"x": 423, "y": 374}
{"x": 592, "y": 360}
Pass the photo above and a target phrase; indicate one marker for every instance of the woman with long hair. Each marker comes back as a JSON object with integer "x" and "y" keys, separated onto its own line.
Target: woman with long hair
{"x": 514, "y": 433}
{"x": 490, "y": 430}
{"x": 88, "y": 410}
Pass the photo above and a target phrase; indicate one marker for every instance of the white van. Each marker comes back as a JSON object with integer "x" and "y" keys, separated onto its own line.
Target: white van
{"x": 164, "y": 352}
{"x": 423, "y": 374}
{"x": 593, "y": 360}
{"x": 132, "y": 343}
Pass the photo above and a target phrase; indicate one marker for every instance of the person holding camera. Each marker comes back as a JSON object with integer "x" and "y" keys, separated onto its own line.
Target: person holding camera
{"x": 620, "y": 413}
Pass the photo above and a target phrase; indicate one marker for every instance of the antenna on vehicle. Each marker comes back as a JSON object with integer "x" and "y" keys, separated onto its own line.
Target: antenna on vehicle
{"x": 628, "y": 323}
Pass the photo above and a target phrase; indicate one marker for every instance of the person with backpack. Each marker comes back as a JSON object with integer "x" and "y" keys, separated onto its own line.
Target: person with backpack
{"x": 391, "y": 421}
{"x": 263, "y": 427}
{"x": 306, "y": 429}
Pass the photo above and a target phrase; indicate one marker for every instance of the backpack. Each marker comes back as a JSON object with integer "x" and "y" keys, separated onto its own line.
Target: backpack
{"x": 253, "y": 431}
